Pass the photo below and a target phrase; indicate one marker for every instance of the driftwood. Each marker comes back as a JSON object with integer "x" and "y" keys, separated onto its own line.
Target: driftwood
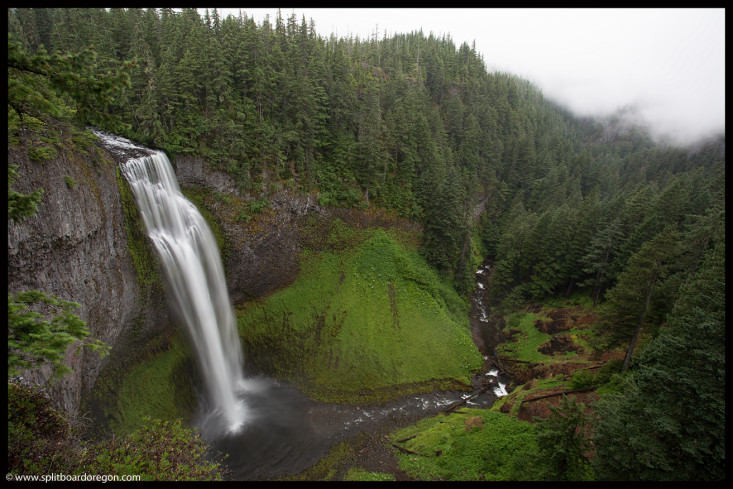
{"x": 463, "y": 401}
{"x": 572, "y": 391}
{"x": 518, "y": 361}
{"x": 406, "y": 450}
{"x": 408, "y": 438}
{"x": 495, "y": 363}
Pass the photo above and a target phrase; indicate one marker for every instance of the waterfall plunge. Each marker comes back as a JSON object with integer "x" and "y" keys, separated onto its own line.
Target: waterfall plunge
{"x": 192, "y": 264}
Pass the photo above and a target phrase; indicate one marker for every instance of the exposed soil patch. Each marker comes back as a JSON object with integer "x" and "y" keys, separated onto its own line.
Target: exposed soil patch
{"x": 564, "y": 320}
{"x": 541, "y": 408}
{"x": 473, "y": 422}
{"x": 510, "y": 335}
{"x": 559, "y": 344}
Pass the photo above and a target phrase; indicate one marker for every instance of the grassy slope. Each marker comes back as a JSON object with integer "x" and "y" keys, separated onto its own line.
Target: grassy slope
{"x": 472, "y": 444}
{"x": 360, "y": 321}
{"x": 159, "y": 388}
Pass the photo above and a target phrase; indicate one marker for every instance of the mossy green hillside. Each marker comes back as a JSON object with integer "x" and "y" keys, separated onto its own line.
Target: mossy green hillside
{"x": 470, "y": 444}
{"x": 160, "y": 388}
{"x": 360, "y": 319}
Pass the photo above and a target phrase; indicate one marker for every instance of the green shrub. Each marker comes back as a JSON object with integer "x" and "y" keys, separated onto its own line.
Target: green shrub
{"x": 158, "y": 450}
{"x": 43, "y": 153}
{"x": 35, "y": 431}
{"x": 41, "y": 440}
{"x": 222, "y": 197}
{"x": 243, "y": 217}
{"x": 609, "y": 369}
{"x": 70, "y": 182}
{"x": 256, "y": 206}
{"x": 582, "y": 379}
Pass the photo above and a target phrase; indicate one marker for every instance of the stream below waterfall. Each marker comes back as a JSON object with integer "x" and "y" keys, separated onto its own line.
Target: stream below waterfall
{"x": 286, "y": 433}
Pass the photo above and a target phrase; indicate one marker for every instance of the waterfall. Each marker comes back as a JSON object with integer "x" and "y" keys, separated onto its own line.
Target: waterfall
{"x": 190, "y": 257}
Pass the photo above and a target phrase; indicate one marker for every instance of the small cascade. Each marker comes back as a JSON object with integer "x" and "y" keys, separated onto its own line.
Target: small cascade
{"x": 480, "y": 329}
{"x": 500, "y": 389}
{"x": 192, "y": 264}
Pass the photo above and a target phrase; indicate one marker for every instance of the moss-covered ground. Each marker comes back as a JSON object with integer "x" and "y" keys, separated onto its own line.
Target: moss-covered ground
{"x": 468, "y": 445}
{"x": 160, "y": 388}
{"x": 361, "y": 320}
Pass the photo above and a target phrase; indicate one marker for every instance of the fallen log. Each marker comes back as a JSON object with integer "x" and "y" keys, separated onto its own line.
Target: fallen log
{"x": 572, "y": 391}
{"x": 407, "y": 450}
{"x": 517, "y": 361}
{"x": 463, "y": 401}
{"x": 408, "y": 438}
{"x": 495, "y": 363}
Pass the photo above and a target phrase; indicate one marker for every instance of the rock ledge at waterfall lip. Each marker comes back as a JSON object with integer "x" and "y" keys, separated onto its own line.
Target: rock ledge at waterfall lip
{"x": 123, "y": 149}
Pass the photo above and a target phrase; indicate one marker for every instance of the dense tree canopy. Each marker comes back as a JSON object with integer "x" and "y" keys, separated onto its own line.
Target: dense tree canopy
{"x": 410, "y": 123}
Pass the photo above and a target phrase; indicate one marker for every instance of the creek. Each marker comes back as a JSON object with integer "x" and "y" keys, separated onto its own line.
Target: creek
{"x": 286, "y": 432}
{"x": 268, "y": 428}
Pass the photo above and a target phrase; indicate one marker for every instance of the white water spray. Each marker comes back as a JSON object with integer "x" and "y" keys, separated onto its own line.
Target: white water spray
{"x": 192, "y": 264}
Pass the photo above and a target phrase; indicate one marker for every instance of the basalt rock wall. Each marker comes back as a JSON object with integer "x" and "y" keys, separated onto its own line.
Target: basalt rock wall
{"x": 76, "y": 248}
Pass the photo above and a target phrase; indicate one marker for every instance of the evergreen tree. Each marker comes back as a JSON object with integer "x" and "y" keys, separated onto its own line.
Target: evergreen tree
{"x": 668, "y": 421}
{"x": 599, "y": 254}
{"x": 562, "y": 440}
{"x": 630, "y": 298}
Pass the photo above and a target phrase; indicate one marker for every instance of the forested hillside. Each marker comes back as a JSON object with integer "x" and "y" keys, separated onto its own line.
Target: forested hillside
{"x": 414, "y": 124}
{"x": 411, "y": 123}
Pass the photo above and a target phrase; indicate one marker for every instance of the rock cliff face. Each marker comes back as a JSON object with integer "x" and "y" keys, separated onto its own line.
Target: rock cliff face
{"x": 76, "y": 248}
{"x": 263, "y": 254}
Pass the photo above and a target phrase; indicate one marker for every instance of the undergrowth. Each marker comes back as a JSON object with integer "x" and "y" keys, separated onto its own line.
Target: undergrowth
{"x": 469, "y": 445}
{"x": 42, "y": 441}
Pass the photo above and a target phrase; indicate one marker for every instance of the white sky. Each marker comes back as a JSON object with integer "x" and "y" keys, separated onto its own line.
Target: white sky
{"x": 669, "y": 63}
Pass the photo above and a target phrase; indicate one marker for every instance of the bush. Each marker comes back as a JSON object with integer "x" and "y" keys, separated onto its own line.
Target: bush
{"x": 43, "y": 153}
{"x": 258, "y": 205}
{"x": 582, "y": 379}
{"x": 70, "y": 182}
{"x": 604, "y": 373}
{"x": 42, "y": 440}
{"x": 35, "y": 431}
{"x": 158, "y": 450}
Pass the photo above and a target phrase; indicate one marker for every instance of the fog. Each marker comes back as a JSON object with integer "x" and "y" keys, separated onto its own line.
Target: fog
{"x": 667, "y": 64}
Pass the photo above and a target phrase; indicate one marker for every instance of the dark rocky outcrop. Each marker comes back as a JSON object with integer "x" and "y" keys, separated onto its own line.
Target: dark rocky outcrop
{"x": 194, "y": 171}
{"x": 76, "y": 248}
{"x": 263, "y": 254}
